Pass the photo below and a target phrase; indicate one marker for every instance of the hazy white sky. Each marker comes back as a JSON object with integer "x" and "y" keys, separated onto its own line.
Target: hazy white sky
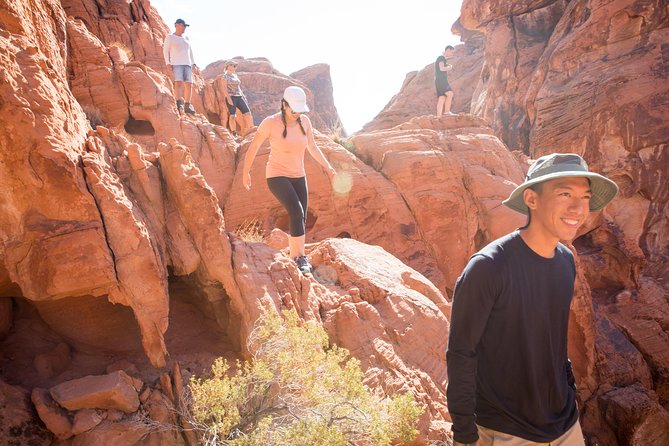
{"x": 370, "y": 45}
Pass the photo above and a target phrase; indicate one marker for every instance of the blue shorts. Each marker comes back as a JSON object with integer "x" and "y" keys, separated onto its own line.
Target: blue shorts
{"x": 182, "y": 73}
{"x": 238, "y": 102}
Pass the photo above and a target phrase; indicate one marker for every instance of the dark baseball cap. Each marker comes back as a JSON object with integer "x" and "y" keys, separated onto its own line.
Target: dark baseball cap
{"x": 181, "y": 22}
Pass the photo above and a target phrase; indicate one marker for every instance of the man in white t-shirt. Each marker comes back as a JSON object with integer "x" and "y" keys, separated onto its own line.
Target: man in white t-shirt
{"x": 180, "y": 65}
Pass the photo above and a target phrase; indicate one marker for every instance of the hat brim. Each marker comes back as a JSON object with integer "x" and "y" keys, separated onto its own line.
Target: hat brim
{"x": 603, "y": 190}
{"x": 299, "y": 108}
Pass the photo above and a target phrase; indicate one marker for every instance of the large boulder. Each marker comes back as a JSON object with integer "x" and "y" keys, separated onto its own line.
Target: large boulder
{"x": 116, "y": 390}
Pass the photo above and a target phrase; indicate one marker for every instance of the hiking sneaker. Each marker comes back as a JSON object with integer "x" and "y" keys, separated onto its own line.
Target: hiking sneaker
{"x": 303, "y": 264}
{"x": 180, "y": 105}
{"x": 189, "y": 109}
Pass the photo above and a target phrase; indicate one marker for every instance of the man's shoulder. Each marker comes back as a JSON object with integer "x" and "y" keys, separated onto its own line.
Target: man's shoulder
{"x": 494, "y": 253}
{"x": 564, "y": 252}
{"x": 498, "y": 247}
{"x": 563, "y": 249}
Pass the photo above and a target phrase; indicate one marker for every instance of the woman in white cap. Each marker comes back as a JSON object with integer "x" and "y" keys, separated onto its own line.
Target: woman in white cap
{"x": 290, "y": 133}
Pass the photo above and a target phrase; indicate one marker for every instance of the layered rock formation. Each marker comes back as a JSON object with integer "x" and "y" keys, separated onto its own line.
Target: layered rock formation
{"x": 318, "y": 81}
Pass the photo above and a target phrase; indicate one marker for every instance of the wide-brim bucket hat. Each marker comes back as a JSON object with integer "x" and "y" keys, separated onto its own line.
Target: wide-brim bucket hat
{"x": 563, "y": 165}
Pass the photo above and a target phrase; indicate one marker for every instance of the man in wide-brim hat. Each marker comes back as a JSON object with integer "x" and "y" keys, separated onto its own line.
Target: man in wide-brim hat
{"x": 510, "y": 381}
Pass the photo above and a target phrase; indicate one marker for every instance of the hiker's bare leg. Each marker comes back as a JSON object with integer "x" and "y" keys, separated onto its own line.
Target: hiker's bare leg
{"x": 440, "y": 105}
{"x": 296, "y": 245}
{"x": 448, "y": 101}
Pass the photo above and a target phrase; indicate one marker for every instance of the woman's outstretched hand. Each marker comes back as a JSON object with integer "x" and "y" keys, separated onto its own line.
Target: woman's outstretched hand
{"x": 331, "y": 172}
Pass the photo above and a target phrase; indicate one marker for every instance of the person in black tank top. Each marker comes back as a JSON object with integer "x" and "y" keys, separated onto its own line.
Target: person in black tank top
{"x": 444, "y": 90}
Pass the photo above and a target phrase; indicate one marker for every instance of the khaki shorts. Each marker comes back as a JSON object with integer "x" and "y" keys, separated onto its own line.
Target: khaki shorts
{"x": 489, "y": 437}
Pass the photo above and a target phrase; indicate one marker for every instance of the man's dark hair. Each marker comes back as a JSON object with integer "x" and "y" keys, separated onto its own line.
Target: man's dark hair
{"x": 449, "y": 47}
{"x": 538, "y": 188}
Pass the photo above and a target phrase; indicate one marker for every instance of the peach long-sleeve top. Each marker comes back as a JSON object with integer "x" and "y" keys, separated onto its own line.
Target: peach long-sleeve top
{"x": 286, "y": 156}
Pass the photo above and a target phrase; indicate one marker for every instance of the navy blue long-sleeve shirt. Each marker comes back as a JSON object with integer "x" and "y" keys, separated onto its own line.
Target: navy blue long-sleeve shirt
{"x": 507, "y": 351}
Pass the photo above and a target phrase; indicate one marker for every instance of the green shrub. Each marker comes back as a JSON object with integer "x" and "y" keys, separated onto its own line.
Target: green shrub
{"x": 296, "y": 390}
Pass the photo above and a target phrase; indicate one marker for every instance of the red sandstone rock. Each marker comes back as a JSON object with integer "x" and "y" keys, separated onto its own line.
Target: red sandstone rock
{"x": 85, "y": 420}
{"x": 318, "y": 81}
{"x": 277, "y": 239}
{"x": 54, "y": 362}
{"x": 639, "y": 419}
{"x": 382, "y": 311}
{"x": 113, "y": 391}
{"x": 54, "y": 417}
{"x": 139, "y": 269}
{"x": 135, "y": 26}
{"x": 161, "y": 409}
{"x": 123, "y": 433}
{"x": 6, "y": 316}
{"x": 17, "y": 422}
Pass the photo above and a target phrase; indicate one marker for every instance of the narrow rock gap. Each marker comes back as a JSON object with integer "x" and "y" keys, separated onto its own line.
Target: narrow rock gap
{"x": 82, "y": 168}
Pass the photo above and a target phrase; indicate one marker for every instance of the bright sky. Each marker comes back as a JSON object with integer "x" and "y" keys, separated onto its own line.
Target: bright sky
{"x": 370, "y": 45}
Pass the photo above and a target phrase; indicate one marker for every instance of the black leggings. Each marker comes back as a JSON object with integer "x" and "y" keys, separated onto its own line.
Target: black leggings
{"x": 292, "y": 194}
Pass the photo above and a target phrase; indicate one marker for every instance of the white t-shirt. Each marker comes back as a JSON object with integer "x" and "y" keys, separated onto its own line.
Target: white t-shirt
{"x": 177, "y": 51}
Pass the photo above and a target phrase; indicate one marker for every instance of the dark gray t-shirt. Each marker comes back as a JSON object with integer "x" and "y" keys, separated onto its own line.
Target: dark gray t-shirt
{"x": 507, "y": 355}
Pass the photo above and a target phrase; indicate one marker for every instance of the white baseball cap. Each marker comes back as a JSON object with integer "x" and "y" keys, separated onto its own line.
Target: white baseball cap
{"x": 296, "y": 98}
